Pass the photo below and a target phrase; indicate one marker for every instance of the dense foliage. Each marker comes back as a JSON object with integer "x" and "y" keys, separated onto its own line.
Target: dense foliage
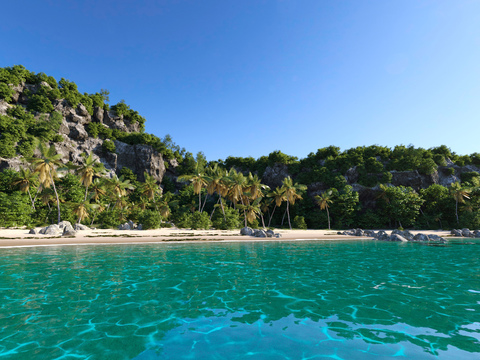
{"x": 315, "y": 192}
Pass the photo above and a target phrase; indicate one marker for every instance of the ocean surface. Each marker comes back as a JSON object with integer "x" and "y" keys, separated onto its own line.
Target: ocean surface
{"x": 264, "y": 300}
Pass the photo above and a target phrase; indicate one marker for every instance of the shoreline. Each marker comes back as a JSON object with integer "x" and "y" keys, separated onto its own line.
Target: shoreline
{"x": 10, "y": 238}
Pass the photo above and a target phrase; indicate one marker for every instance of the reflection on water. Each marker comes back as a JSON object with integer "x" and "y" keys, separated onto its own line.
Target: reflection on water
{"x": 337, "y": 300}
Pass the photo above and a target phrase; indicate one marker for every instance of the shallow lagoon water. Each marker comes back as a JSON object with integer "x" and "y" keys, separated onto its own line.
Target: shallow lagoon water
{"x": 265, "y": 300}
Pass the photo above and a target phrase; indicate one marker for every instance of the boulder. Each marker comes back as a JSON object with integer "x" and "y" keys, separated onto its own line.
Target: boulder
{"x": 33, "y": 231}
{"x": 436, "y": 238}
{"x": 98, "y": 114}
{"x": 246, "y": 231}
{"x": 278, "y": 235}
{"x": 420, "y": 237}
{"x": 466, "y": 233}
{"x": 80, "y": 227}
{"x": 124, "y": 227}
{"x": 82, "y": 110}
{"x": 260, "y": 233}
{"x": 64, "y": 223}
{"x": 397, "y": 237}
{"x": 476, "y": 233}
{"x": 270, "y": 233}
{"x": 140, "y": 227}
{"x": 132, "y": 224}
{"x": 456, "y": 232}
{"x": 52, "y": 230}
{"x": 359, "y": 232}
{"x": 382, "y": 236}
{"x": 370, "y": 233}
{"x": 78, "y": 132}
{"x": 68, "y": 228}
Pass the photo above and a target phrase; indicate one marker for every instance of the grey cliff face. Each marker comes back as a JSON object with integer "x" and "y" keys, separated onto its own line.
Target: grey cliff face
{"x": 139, "y": 158}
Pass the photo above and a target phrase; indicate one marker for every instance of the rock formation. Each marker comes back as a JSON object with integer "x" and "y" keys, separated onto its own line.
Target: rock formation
{"x": 76, "y": 140}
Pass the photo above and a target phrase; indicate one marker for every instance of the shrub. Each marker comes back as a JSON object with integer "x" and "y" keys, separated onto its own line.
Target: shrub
{"x": 299, "y": 222}
{"x": 440, "y": 160}
{"x": 6, "y": 92}
{"x": 200, "y": 220}
{"x": 150, "y": 219}
{"x": 15, "y": 209}
{"x": 109, "y": 218}
{"x": 184, "y": 220}
{"x": 39, "y": 103}
{"x": 108, "y": 146}
{"x": 7, "y": 148}
{"x": 232, "y": 219}
{"x": 57, "y": 138}
{"x": 450, "y": 171}
{"x": 468, "y": 176}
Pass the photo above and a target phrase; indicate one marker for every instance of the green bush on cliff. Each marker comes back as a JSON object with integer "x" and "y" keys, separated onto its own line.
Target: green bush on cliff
{"x": 108, "y": 146}
{"x": 6, "y": 92}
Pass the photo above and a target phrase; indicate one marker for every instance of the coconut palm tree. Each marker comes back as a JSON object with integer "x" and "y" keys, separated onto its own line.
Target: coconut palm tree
{"x": 150, "y": 188}
{"x": 459, "y": 193}
{"x": 323, "y": 200}
{"x": 255, "y": 186}
{"x": 46, "y": 167}
{"x": 251, "y": 210}
{"x": 88, "y": 170}
{"x": 291, "y": 191}
{"x": 82, "y": 209}
{"x": 24, "y": 180}
{"x": 278, "y": 196}
{"x": 198, "y": 181}
{"x": 98, "y": 189}
{"x": 119, "y": 188}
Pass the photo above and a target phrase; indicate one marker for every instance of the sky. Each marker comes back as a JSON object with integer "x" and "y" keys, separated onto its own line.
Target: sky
{"x": 245, "y": 78}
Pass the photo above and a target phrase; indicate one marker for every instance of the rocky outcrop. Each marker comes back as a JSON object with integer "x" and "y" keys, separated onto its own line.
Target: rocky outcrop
{"x": 273, "y": 176}
{"x": 465, "y": 233}
{"x": 247, "y": 231}
{"x": 395, "y": 235}
{"x": 139, "y": 158}
{"x": 414, "y": 179}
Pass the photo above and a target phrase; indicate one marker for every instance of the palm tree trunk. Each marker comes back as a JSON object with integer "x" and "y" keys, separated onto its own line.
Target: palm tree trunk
{"x": 200, "y": 201}
{"x": 204, "y": 202}
{"x": 288, "y": 213}
{"x": 244, "y": 213}
{"x": 456, "y": 210}
{"x": 86, "y": 193}
{"x": 271, "y": 216}
{"x": 223, "y": 210}
{"x": 56, "y": 195}
{"x": 328, "y": 217}
{"x": 213, "y": 211}
{"x": 263, "y": 221}
{"x": 30, "y": 196}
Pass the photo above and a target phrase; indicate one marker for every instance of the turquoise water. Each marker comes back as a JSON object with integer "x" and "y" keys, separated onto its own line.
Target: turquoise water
{"x": 266, "y": 300}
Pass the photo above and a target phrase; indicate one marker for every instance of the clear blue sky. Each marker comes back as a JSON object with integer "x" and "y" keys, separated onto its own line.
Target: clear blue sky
{"x": 244, "y": 78}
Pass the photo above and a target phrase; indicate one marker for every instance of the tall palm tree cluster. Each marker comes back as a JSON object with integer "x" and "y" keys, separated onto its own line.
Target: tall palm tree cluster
{"x": 243, "y": 192}
{"x": 101, "y": 192}
{"x": 215, "y": 189}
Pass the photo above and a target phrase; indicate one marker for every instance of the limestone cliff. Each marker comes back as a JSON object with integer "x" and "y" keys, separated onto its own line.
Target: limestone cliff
{"x": 76, "y": 140}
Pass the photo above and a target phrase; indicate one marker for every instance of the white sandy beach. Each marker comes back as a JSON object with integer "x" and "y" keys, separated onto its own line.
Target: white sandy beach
{"x": 21, "y": 237}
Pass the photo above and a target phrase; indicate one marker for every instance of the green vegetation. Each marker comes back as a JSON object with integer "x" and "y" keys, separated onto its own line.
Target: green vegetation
{"x": 314, "y": 191}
